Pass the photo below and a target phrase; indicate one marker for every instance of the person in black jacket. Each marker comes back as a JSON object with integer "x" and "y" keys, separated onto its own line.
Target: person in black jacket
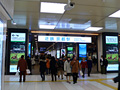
{"x": 53, "y": 68}
{"x": 60, "y": 68}
{"x": 89, "y": 64}
{"x": 105, "y": 65}
{"x": 42, "y": 67}
{"x": 29, "y": 63}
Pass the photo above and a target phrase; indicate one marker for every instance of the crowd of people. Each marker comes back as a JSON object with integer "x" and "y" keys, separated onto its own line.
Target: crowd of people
{"x": 63, "y": 66}
{"x": 60, "y": 67}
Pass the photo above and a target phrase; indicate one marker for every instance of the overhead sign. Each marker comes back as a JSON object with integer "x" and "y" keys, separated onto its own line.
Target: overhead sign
{"x": 111, "y": 39}
{"x": 64, "y": 39}
{"x": 19, "y": 37}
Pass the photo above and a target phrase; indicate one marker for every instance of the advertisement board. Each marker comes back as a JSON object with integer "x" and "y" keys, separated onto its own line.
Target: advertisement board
{"x": 29, "y": 50}
{"x": 17, "y": 49}
{"x": 64, "y": 39}
{"x": 112, "y": 52}
{"x": 82, "y": 51}
{"x": 70, "y": 52}
{"x": 58, "y": 53}
{"x": 63, "y": 52}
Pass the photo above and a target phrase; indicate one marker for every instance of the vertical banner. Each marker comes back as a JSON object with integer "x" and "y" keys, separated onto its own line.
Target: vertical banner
{"x": 112, "y": 52}
{"x": 17, "y": 49}
{"x": 58, "y": 53}
{"x": 29, "y": 50}
{"x": 82, "y": 51}
{"x": 63, "y": 52}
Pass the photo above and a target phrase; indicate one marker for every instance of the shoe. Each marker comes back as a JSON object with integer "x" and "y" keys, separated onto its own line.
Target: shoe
{"x": 73, "y": 82}
{"x": 83, "y": 76}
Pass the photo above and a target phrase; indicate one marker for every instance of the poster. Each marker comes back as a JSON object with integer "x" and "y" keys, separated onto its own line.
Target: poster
{"x": 58, "y": 53}
{"x": 112, "y": 52}
{"x": 29, "y": 50}
{"x": 63, "y": 52}
{"x": 17, "y": 49}
{"x": 70, "y": 52}
{"x": 82, "y": 51}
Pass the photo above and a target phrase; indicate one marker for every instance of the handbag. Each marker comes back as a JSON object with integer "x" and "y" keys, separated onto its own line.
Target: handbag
{"x": 65, "y": 73}
{"x": 27, "y": 71}
{"x": 81, "y": 73}
{"x": 17, "y": 73}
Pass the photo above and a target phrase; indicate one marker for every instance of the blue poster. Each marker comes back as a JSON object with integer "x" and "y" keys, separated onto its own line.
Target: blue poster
{"x": 29, "y": 50}
{"x": 82, "y": 51}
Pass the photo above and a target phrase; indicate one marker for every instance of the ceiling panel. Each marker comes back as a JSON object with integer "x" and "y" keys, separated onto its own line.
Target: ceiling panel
{"x": 85, "y": 13}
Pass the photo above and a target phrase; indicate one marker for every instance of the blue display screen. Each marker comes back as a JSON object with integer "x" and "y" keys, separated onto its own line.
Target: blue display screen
{"x": 82, "y": 51}
{"x": 29, "y": 52}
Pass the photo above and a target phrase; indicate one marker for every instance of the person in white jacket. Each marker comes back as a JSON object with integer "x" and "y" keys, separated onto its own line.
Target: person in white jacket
{"x": 67, "y": 69}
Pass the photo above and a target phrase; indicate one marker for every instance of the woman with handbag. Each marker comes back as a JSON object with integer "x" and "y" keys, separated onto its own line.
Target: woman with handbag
{"x": 67, "y": 69}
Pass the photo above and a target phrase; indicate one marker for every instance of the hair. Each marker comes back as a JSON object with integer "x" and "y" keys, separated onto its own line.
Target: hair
{"x": 52, "y": 58}
{"x": 102, "y": 56}
{"x": 22, "y": 56}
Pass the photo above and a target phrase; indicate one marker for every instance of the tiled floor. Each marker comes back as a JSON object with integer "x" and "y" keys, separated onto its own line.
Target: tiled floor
{"x": 33, "y": 82}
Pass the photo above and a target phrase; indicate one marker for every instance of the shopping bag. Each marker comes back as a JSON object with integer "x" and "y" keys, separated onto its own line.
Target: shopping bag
{"x": 27, "y": 71}
{"x": 65, "y": 73}
{"x": 17, "y": 73}
{"x": 81, "y": 73}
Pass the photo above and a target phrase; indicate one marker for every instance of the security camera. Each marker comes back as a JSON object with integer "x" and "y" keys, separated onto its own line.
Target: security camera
{"x": 69, "y": 6}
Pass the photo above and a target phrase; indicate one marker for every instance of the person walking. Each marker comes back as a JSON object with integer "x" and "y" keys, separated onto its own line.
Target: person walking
{"x": 67, "y": 69}
{"x": 102, "y": 64}
{"x": 89, "y": 64}
{"x": 75, "y": 69}
{"x": 47, "y": 66}
{"x": 29, "y": 63}
{"x": 42, "y": 67}
{"x": 53, "y": 68}
{"x": 105, "y": 65}
{"x": 83, "y": 66}
{"x": 60, "y": 64}
{"x": 22, "y": 66}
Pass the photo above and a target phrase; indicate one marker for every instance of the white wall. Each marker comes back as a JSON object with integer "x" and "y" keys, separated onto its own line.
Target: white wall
{"x": 100, "y": 50}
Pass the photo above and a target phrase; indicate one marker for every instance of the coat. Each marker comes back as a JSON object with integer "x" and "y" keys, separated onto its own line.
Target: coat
{"x": 22, "y": 65}
{"x": 84, "y": 64}
{"x": 89, "y": 63}
{"x": 67, "y": 66}
{"x": 53, "y": 67}
{"x": 75, "y": 66}
{"x": 47, "y": 63}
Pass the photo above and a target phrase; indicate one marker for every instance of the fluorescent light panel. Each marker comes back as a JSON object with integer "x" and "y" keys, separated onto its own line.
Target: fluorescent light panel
{"x": 116, "y": 14}
{"x": 93, "y": 28}
{"x": 47, "y": 7}
{"x": 47, "y": 26}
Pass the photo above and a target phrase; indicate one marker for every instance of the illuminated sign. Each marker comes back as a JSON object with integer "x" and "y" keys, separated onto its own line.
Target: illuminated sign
{"x": 112, "y": 52}
{"x": 17, "y": 37}
{"x": 17, "y": 49}
{"x": 111, "y": 39}
{"x": 64, "y": 39}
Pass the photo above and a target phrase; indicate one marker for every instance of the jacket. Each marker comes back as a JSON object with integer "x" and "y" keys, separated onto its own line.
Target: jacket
{"x": 22, "y": 65}
{"x": 67, "y": 66}
{"x": 83, "y": 64}
{"x": 75, "y": 66}
{"x": 47, "y": 63}
{"x": 89, "y": 63}
{"x": 60, "y": 64}
{"x": 53, "y": 67}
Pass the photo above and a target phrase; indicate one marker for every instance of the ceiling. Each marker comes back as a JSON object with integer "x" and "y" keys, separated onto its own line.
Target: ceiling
{"x": 94, "y": 12}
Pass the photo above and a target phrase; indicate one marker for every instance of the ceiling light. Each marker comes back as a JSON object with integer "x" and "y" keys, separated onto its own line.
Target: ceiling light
{"x": 35, "y": 35}
{"x": 47, "y": 7}
{"x": 14, "y": 23}
{"x": 93, "y": 28}
{"x": 47, "y": 26}
{"x": 116, "y": 14}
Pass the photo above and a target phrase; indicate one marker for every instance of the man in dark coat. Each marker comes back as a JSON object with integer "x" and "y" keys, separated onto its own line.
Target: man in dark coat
{"x": 29, "y": 63}
{"x": 53, "y": 68}
{"x": 22, "y": 66}
{"x": 42, "y": 67}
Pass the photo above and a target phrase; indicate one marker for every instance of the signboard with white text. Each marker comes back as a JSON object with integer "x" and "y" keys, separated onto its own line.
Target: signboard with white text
{"x": 64, "y": 39}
